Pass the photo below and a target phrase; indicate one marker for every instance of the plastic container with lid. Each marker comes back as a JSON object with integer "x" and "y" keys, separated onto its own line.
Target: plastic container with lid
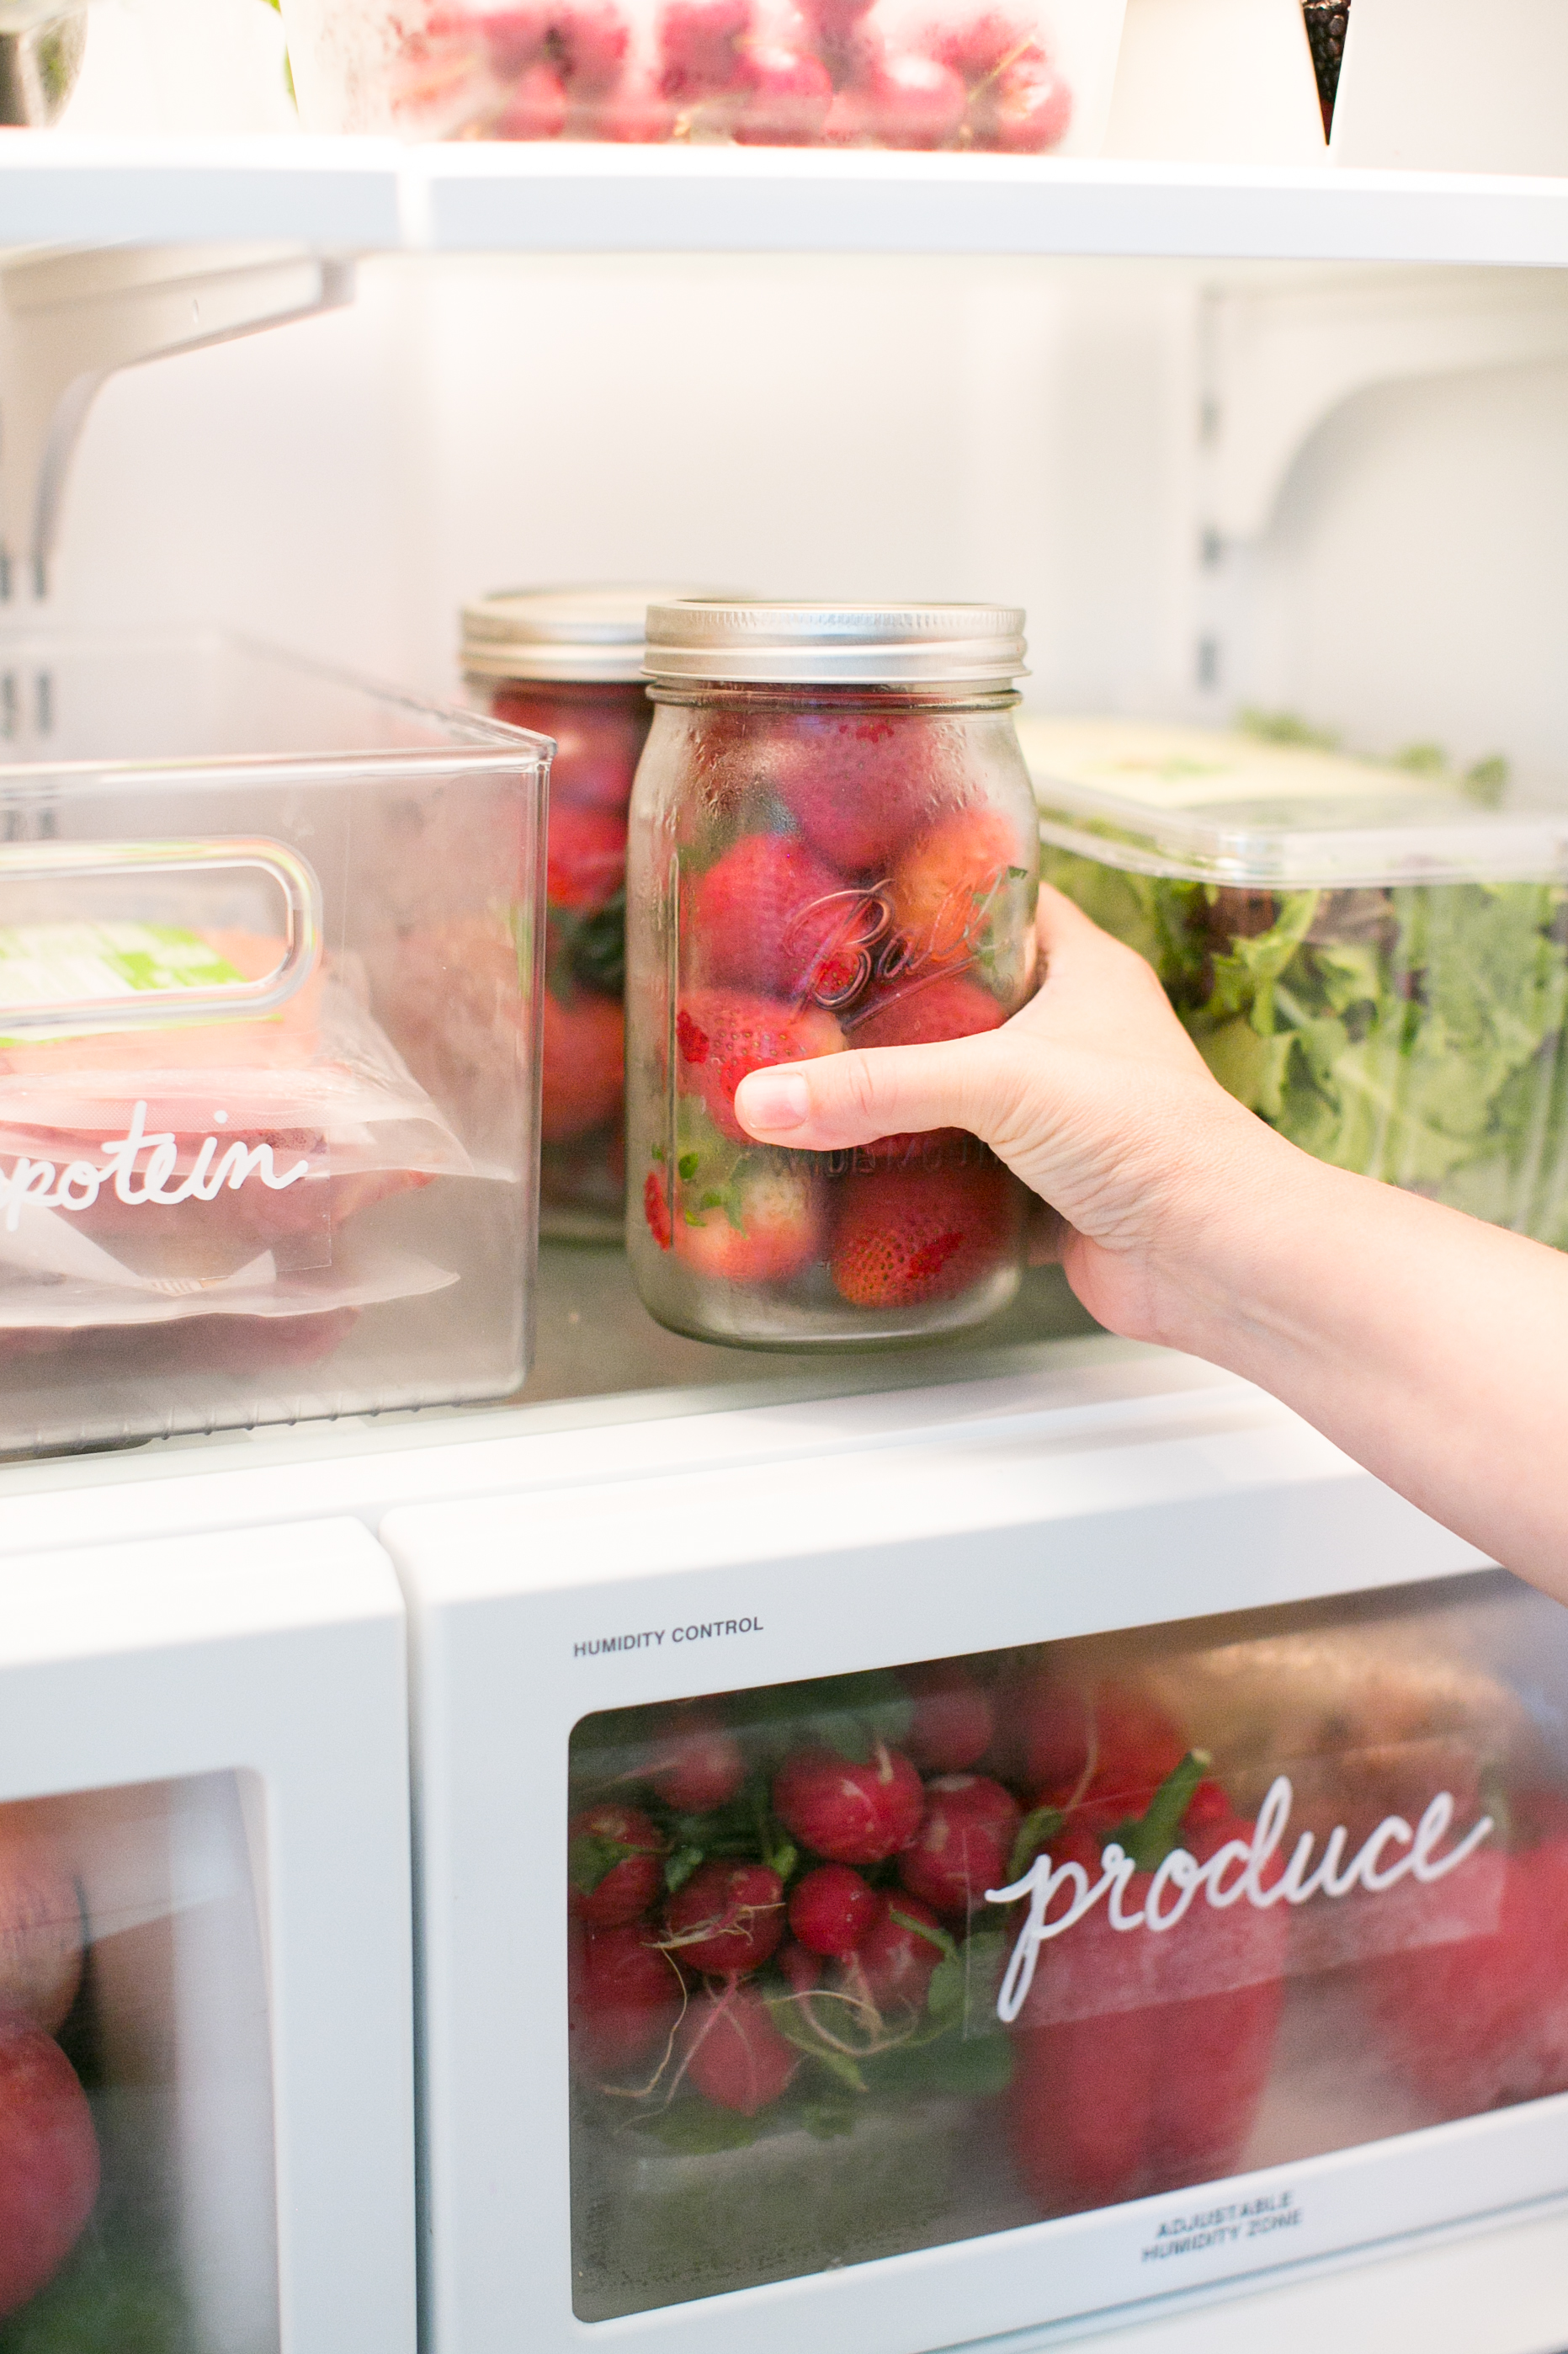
{"x": 1374, "y": 961}
{"x": 268, "y": 1040}
{"x": 1031, "y": 77}
{"x": 832, "y": 843}
{"x": 568, "y": 663}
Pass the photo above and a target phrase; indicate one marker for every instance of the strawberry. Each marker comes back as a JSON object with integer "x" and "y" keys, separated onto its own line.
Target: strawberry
{"x": 597, "y": 743}
{"x": 702, "y": 46}
{"x": 787, "y": 97}
{"x": 919, "y": 1014}
{"x": 848, "y": 1812}
{"x": 950, "y": 1726}
{"x": 726, "y": 1919}
{"x": 586, "y": 856}
{"x": 1140, "y": 2060}
{"x": 963, "y": 1843}
{"x": 1479, "y": 2022}
{"x": 856, "y": 782}
{"x": 771, "y": 915}
{"x": 720, "y": 1035}
{"x": 733, "y": 2053}
{"x": 48, "y": 2161}
{"x": 656, "y": 1210}
{"x": 626, "y": 1995}
{"x": 899, "y": 1952}
{"x": 909, "y": 1238}
{"x": 832, "y": 1909}
{"x": 616, "y": 1864}
{"x": 902, "y": 101}
{"x": 765, "y": 1228}
{"x": 697, "y": 1765}
{"x": 584, "y": 1063}
{"x": 944, "y": 884}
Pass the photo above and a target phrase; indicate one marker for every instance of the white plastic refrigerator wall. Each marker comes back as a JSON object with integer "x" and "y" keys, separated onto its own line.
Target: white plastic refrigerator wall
{"x": 1232, "y": 438}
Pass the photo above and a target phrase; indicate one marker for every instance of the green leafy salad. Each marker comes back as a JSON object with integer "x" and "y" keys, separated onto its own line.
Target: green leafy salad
{"x": 1415, "y": 1031}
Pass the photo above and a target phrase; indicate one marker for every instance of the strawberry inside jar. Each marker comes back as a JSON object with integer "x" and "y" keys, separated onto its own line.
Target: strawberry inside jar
{"x": 567, "y": 663}
{"x": 834, "y": 845}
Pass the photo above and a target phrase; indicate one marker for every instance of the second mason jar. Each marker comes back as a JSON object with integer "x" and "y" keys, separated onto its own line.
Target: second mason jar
{"x": 833, "y": 843}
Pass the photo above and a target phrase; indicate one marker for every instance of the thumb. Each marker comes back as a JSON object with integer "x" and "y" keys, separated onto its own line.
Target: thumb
{"x": 854, "y": 1098}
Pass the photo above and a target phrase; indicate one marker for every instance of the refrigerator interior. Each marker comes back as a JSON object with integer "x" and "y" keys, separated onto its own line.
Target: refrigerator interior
{"x": 1335, "y": 490}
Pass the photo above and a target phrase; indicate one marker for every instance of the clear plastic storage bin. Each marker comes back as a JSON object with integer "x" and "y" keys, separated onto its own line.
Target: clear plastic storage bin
{"x": 268, "y": 1009}
{"x": 1027, "y": 79}
{"x": 1373, "y": 960}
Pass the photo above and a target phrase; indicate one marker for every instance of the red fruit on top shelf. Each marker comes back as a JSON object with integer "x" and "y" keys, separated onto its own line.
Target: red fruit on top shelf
{"x": 771, "y": 915}
{"x": 856, "y": 782}
{"x": 912, "y": 1237}
{"x": 626, "y": 1995}
{"x": 1477, "y": 2023}
{"x": 831, "y": 23}
{"x": 1028, "y": 110}
{"x": 899, "y": 1951}
{"x": 588, "y": 45}
{"x": 698, "y": 1764}
{"x": 979, "y": 47}
{"x": 633, "y": 115}
{"x": 726, "y": 1919}
{"x": 514, "y": 37}
{"x": 848, "y": 1812}
{"x": 951, "y": 1727}
{"x": 535, "y": 107}
{"x": 832, "y": 1909}
{"x": 945, "y": 881}
{"x": 585, "y": 857}
{"x": 909, "y": 101}
{"x": 767, "y": 1229}
{"x": 703, "y": 49}
{"x": 733, "y": 2053}
{"x": 48, "y": 2161}
{"x": 1104, "y": 1748}
{"x": 963, "y": 1844}
{"x": 720, "y": 1035}
{"x": 787, "y": 96}
{"x": 616, "y": 1864}
{"x": 40, "y": 1923}
{"x": 584, "y": 1063}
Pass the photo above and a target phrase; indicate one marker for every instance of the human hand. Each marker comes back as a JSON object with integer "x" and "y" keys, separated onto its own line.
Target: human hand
{"x": 1096, "y": 1097}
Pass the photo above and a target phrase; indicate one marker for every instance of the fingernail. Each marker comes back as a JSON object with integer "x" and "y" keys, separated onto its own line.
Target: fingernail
{"x": 772, "y": 1099}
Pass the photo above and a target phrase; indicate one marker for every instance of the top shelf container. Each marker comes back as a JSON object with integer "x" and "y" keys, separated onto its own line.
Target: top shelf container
{"x": 374, "y": 195}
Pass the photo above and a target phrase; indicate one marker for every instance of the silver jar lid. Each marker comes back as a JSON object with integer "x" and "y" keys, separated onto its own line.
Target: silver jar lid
{"x": 564, "y": 634}
{"x": 744, "y": 642}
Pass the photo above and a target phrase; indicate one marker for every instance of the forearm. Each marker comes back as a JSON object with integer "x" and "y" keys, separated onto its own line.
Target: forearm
{"x": 1432, "y": 1348}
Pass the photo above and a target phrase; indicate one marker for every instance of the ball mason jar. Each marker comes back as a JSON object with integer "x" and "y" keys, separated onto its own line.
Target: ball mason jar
{"x": 567, "y": 663}
{"x": 833, "y": 843}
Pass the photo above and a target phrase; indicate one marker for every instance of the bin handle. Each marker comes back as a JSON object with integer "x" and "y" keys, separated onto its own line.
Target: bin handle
{"x": 27, "y": 862}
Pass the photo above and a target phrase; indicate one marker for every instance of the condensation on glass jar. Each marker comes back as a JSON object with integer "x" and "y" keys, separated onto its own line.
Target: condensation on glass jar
{"x": 833, "y": 843}
{"x": 567, "y": 663}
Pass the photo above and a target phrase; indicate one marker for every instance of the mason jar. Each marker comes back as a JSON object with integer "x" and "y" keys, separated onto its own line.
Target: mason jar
{"x": 833, "y": 843}
{"x": 568, "y": 663}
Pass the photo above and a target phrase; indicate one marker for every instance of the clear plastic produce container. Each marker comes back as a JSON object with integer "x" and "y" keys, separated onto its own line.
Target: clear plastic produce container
{"x": 568, "y": 663}
{"x": 1027, "y": 79}
{"x": 832, "y": 844}
{"x": 814, "y": 2020}
{"x": 268, "y": 1019}
{"x": 1373, "y": 960}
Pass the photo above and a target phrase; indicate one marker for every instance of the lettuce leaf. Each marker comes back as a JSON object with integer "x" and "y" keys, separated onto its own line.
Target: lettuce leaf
{"x": 1417, "y": 1032}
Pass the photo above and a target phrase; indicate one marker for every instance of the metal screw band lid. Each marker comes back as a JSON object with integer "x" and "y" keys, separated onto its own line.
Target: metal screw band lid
{"x": 566, "y": 634}
{"x": 746, "y": 642}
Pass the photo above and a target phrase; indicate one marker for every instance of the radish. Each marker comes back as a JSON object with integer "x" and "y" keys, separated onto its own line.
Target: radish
{"x": 899, "y": 1952}
{"x": 726, "y": 1919}
{"x": 733, "y": 2052}
{"x": 626, "y": 1995}
{"x": 951, "y": 1729}
{"x": 40, "y": 1923}
{"x": 832, "y": 1909}
{"x": 48, "y": 2160}
{"x": 963, "y": 1845}
{"x": 848, "y": 1812}
{"x": 697, "y": 1767}
{"x": 616, "y": 1861}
